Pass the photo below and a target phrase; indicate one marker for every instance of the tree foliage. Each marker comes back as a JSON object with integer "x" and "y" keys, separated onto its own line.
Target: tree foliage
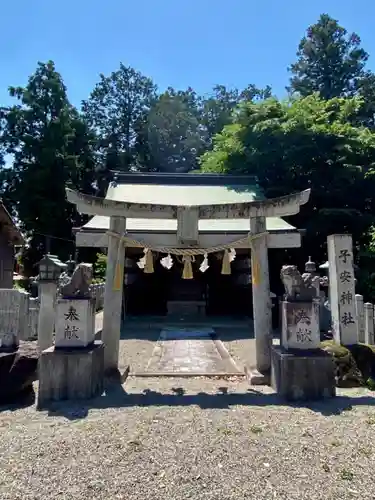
{"x": 305, "y": 143}
{"x": 329, "y": 61}
{"x": 171, "y": 138}
{"x": 217, "y": 109}
{"x": 115, "y": 111}
{"x": 51, "y": 148}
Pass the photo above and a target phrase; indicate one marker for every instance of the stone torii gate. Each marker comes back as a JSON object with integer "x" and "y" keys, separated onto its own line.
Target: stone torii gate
{"x": 188, "y": 237}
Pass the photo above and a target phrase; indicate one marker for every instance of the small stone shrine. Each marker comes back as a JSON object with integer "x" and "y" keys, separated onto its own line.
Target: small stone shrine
{"x": 299, "y": 369}
{"x": 74, "y": 367}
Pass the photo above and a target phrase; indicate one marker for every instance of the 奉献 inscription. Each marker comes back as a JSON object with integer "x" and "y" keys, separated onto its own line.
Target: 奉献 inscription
{"x": 71, "y": 332}
{"x": 303, "y": 335}
{"x": 300, "y": 325}
{"x": 75, "y": 322}
{"x": 71, "y": 315}
{"x": 301, "y": 316}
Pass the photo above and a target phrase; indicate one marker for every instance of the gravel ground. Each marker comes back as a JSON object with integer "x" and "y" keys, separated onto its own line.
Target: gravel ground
{"x": 189, "y": 438}
{"x": 177, "y": 439}
{"x": 240, "y": 345}
{"x": 136, "y": 349}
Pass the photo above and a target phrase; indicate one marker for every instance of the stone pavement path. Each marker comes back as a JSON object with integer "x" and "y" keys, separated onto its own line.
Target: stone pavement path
{"x": 190, "y": 351}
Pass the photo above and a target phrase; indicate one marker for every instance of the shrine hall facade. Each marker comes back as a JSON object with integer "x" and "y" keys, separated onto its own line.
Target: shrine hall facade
{"x": 209, "y": 291}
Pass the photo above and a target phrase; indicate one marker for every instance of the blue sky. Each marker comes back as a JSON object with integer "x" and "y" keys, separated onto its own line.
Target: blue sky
{"x": 197, "y": 43}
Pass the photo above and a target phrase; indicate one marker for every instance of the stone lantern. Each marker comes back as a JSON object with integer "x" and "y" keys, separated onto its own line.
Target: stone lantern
{"x": 50, "y": 268}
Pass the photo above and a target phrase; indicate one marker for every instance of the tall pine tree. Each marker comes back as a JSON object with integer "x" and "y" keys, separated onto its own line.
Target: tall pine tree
{"x": 51, "y": 147}
{"x": 329, "y": 61}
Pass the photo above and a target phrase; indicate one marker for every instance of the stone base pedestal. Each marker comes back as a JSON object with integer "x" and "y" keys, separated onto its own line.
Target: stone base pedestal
{"x": 71, "y": 373}
{"x": 302, "y": 375}
{"x": 254, "y": 377}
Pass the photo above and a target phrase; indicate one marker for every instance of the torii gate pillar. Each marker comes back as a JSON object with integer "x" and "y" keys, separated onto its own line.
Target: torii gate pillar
{"x": 261, "y": 300}
{"x": 114, "y": 284}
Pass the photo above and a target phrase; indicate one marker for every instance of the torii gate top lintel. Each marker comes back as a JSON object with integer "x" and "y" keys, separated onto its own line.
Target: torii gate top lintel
{"x": 274, "y": 207}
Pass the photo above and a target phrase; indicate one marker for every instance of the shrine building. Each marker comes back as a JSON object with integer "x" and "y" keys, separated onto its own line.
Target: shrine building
{"x": 187, "y": 245}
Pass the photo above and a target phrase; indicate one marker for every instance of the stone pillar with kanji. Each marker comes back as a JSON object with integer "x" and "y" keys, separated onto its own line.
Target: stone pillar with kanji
{"x": 74, "y": 367}
{"x": 75, "y": 323}
{"x": 342, "y": 289}
{"x": 300, "y": 370}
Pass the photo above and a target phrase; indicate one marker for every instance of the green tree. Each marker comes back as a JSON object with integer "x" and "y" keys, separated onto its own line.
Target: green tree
{"x": 216, "y": 110}
{"x": 330, "y": 61}
{"x": 305, "y": 143}
{"x": 172, "y": 137}
{"x": 115, "y": 111}
{"x": 51, "y": 147}
{"x": 366, "y": 90}
{"x": 100, "y": 267}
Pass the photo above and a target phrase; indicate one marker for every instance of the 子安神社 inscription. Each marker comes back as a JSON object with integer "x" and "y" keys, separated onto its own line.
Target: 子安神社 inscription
{"x": 75, "y": 322}
{"x": 342, "y": 288}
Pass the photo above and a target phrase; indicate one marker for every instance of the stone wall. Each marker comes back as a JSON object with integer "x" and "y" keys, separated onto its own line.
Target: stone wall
{"x": 20, "y": 314}
{"x": 97, "y": 292}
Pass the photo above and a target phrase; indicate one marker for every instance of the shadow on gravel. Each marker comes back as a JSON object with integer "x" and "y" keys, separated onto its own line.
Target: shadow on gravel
{"x": 21, "y": 400}
{"x": 116, "y": 397}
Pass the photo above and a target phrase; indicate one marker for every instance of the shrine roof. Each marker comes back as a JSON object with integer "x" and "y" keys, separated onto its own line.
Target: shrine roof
{"x": 99, "y": 222}
{"x": 8, "y": 225}
{"x": 185, "y": 190}
{"x": 182, "y": 195}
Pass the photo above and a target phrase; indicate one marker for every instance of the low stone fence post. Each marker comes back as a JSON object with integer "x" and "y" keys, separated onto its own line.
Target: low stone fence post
{"x": 97, "y": 293}
{"x": 24, "y": 304}
{"x": 92, "y": 293}
{"x": 101, "y": 295}
{"x": 33, "y": 318}
{"x": 360, "y": 313}
{"x": 369, "y": 323}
